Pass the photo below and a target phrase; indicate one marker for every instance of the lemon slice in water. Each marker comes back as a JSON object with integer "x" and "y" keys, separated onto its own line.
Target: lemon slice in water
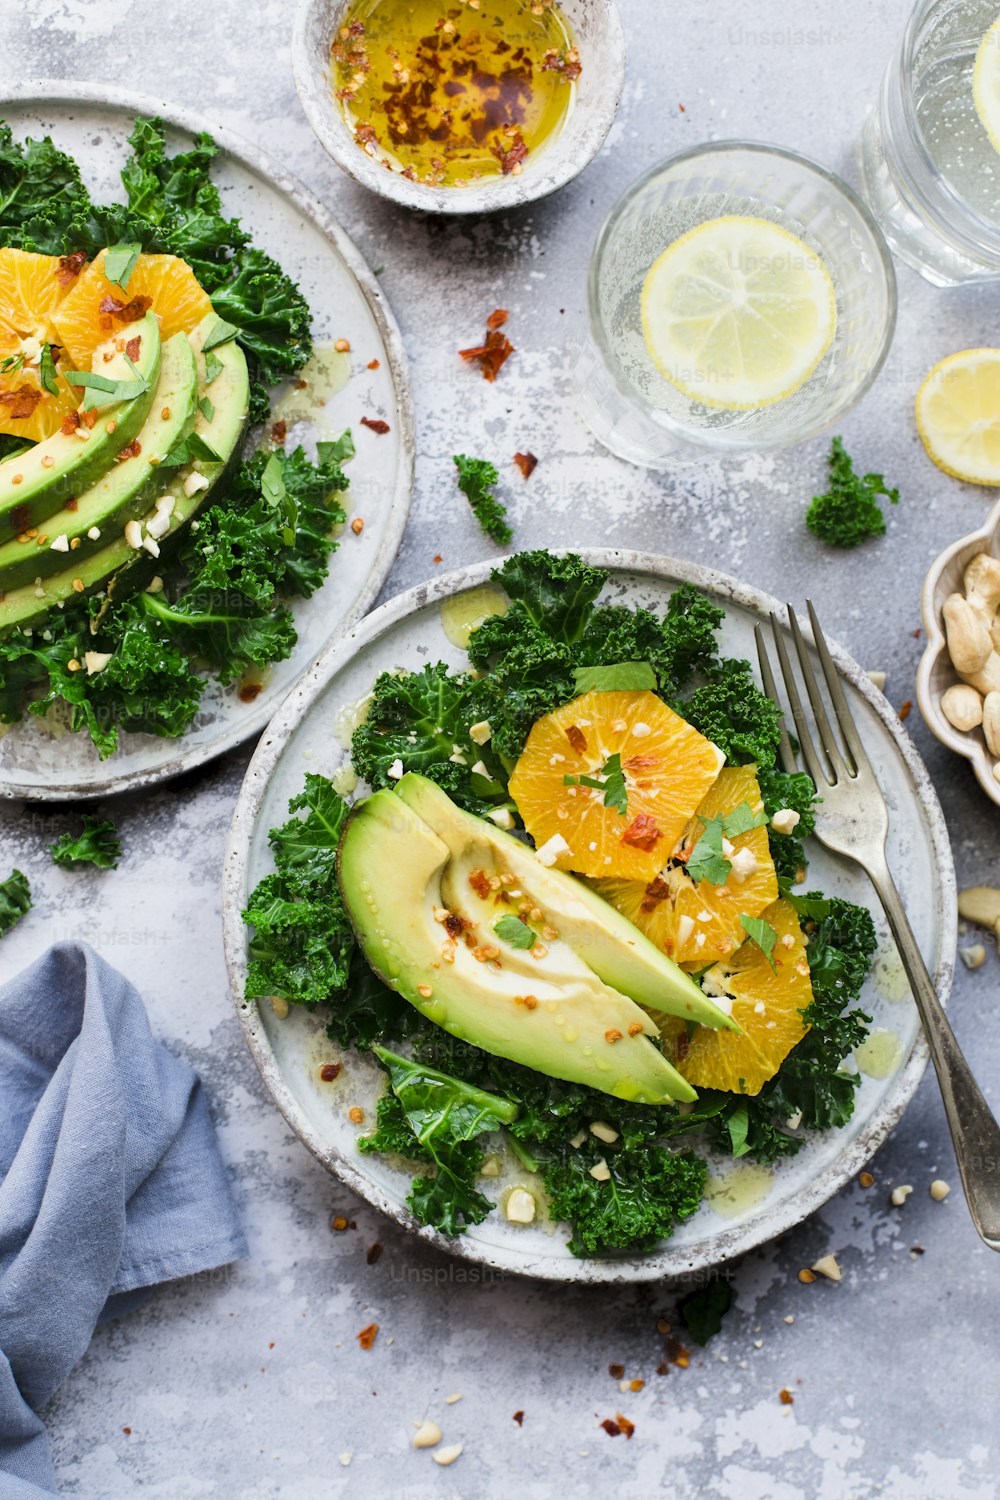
{"x": 738, "y": 312}
{"x": 986, "y": 83}
{"x": 958, "y": 415}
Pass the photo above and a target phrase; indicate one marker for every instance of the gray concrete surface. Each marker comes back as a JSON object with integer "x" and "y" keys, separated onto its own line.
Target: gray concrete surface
{"x": 249, "y": 1384}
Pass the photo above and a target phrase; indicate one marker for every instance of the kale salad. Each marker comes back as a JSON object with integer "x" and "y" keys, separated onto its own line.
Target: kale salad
{"x": 567, "y": 916}
{"x": 141, "y": 552}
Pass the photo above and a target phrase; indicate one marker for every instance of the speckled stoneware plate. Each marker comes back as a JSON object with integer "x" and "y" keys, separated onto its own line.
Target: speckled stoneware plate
{"x": 936, "y": 673}
{"x": 747, "y": 1204}
{"x": 92, "y": 122}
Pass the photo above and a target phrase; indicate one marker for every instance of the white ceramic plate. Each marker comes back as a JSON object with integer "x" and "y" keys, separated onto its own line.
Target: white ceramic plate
{"x": 307, "y": 734}
{"x": 92, "y": 122}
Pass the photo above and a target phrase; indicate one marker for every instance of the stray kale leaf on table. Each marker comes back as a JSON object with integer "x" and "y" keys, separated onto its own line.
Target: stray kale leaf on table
{"x": 849, "y": 513}
{"x": 15, "y": 900}
{"x": 98, "y": 845}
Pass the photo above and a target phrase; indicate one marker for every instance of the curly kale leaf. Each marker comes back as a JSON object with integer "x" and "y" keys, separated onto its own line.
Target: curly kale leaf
{"x": 270, "y": 312}
{"x": 98, "y": 845}
{"x": 302, "y": 941}
{"x": 446, "y": 1116}
{"x": 794, "y": 790}
{"x": 15, "y": 900}
{"x": 422, "y": 720}
{"x": 647, "y": 1193}
{"x": 731, "y": 711}
{"x": 367, "y": 1011}
{"x": 41, "y": 194}
{"x": 476, "y": 479}
{"x": 849, "y": 512}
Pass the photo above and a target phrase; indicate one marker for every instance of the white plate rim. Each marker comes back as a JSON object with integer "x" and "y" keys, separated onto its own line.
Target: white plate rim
{"x": 51, "y": 91}
{"x": 667, "y": 1262}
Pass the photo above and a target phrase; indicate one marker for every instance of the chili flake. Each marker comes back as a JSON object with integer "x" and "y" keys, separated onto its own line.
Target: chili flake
{"x": 376, "y": 424}
{"x": 491, "y": 355}
{"x": 497, "y": 318}
{"x": 785, "y": 1397}
{"x": 368, "y": 1335}
{"x": 642, "y": 832}
{"x": 329, "y": 1071}
{"x": 70, "y": 266}
{"x": 527, "y": 463}
{"x": 519, "y": 1418}
{"x": 112, "y": 309}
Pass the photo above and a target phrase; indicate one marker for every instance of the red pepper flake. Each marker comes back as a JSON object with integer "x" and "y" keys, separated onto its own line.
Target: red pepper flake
{"x": 677, "y": 1354}
{"x": 72, "y": 503}
{"x": 374, "y": 1251}
{"x": 70, "y": 423}
{"x": 490, "y": 355}
{"x": 567, "y": 63}
{"x": 511, "y": 158}
{"x": 656, "y": 891}
{"x": 527, "y": 463}
{"x": 133, "y": 346}
{"x": 365, "y": 135}
{"x": 329, "y": 1071}
{"x": 249, "y": 691}
{"x": 127, "y": 1431}
{"x": 437, "y": 558}
{"x": 662, "y": 1368}
{"x": 68, "y": 270}
{"x": 89, "y": 418}
{"x": 611, "y": 1427}
{"x": 21, "y": 402}
{"x": 905, "y": 707}
{"x": 133, "y": 450}
{"x": 112, "y": 310}
{"x": 497, "y": 318}
{"x": 339, "y": 1223}
{"x": 642, "y": 833}
{"x": 682, "y": 109}
{"x": 624, "y": 1424}
{"x": 20, "y": 517}
{"x": 616, "y": 1371}
{"x": 376, "y": 424}
{"x": 916, "y": 634}
{"x": 480, "y": 884}
{"x": 279, "y": 431}
{"x": 577, "y": 738}
{"x": 519, "y": 1418}
{"x": 785, "y": 1397}
{"x": 374, "y": 364}
{"x": 367, "y": 1335}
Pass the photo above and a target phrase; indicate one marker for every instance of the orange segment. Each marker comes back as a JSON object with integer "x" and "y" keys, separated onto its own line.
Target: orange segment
{"x": 767, "y": 1004}
{"x": 700, "y": 923}
{"x": 31, "y": 288}
{"x": 668, "y": 768}
{"x": 166, "y": 280}
{"x": 27, "y": 410}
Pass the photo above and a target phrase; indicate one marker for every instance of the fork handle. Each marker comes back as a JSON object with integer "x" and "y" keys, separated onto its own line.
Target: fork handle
{"x": 974, "y": 1131}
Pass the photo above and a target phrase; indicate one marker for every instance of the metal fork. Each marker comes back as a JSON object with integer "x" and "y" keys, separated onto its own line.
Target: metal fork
{"x": 853, "y": 821}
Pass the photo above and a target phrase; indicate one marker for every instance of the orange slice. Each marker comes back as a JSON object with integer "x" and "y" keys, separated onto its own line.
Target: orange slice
{"x": 700, "y": 923}
{"x": 165, "y": 280}
{"x": 31, "y": 288}
{"x": 768, "y": 1006}
{"x": 668, "y": 767}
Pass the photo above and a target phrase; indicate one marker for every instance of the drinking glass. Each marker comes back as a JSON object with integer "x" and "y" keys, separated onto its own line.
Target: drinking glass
{"x": 930, "y": 173}
{"x": 629, "y": 404}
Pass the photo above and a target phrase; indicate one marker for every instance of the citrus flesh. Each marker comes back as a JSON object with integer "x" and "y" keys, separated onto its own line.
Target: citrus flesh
{"x": 667, "y": 768}
{"x": 31, "y": 289}
{"x": 738, "y": 312}
{"x": 958, "y": 415}
{"x": 986, "y": 83}
{"x": 97, "y": 307}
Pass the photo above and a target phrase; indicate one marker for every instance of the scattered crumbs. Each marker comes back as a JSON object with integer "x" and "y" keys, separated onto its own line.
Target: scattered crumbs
{"x": 329, "y": 1071}
{"x": 342, "y": 346}
{"x": 625, "y": 1426}
{"x": 866, "y": 1180}
{"x": 527, "y": 463}
{"x": 662, "y": 1368}
{"x": 437, "y": 558}
{"x": 677, "y": 1354}
{"x": 828, "y": 1266}
{"x": 519, "y": 1419}
{"x": 356, "y": 1114}
{"x": 916, "y": 1251}
{"x": 368, "y": 1335}
{"x": 127, "y": 1431}
{"x": 758, "y": 1343}
{"x": 916, "y": 634}
{"x": 375, "y": 424}
{"x": 805, "y": 1275}
{"x": 374, "y": 1251}
{"x": 279, "y": 431}
{"x": 785, "y": 1397}
{"x": 338, "y": 1223}
{"x": 445, "y": 1456}
{"x": 904, "y": 708}
{"x": 345, "y": 1458}
{"x": 611, "y": 1427}
{"x": 616, "y": 1371}
{"x": 450, "y": 1400}
{"x": 271, "y": 1345}
{"x": 374, "y": 364}
{"x": 790, "y": 1318}
{"x": 358, "y": 525}
{"x": 682, "y": 109}
{"x": 662, "y": 1326}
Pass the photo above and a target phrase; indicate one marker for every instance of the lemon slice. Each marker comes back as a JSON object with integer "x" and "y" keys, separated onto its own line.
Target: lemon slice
{"x": 986, "y": 83}
{"x": 738, "y": 312}
{"x": 958, "y": 415}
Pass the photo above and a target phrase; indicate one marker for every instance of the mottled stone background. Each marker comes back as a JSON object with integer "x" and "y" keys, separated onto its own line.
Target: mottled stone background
{"x": 249, "y": 1384}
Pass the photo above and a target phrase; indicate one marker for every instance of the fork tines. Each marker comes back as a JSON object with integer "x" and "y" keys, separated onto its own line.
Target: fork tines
{"x": 834, "y": 758}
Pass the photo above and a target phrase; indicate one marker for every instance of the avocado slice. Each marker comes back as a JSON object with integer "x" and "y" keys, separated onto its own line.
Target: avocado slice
{"x": 118, "y": 566}
{"x": 124, "y": 491}
{"x": 617, "y": 951}
{"x": 550, "y": 1012}
{"x": 48, "y": 474}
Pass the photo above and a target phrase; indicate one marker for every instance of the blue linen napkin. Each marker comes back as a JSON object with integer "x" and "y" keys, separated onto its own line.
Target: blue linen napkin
{"x": 110, "y": 1181}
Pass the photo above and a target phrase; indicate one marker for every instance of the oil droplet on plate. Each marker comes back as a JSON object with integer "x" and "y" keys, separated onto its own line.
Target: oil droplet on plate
{"x": 464, "y": 613}
{"x": 349, "y": 717}
{"x": 738, "y": 1190}
{"x": 878, "y": 1056}
{"x": 320, "y": 379}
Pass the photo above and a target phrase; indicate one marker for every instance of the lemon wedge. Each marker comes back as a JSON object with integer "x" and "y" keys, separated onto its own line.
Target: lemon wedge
{"x": 986, "y": 83}
{"x": 958, "y": 415}
{"x": 738, "y": 312}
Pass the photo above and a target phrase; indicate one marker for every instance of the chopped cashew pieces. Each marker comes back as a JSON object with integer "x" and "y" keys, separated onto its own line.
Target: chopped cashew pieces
{"x": 980, "y": 904}
{"x": 600, "y": 1171}
{"x": 899, "y": 1195}
{"x": 519, "y": 1206}
{"x": 828, "y": 1266}
{"x": 502, "y": 817}
{"x": 427, "y": 1435}
{"x": 95, "y": 661}
{"x": 395, "y": 771}
{"x": 481, "y": 732}
{"x": 785, "y": 820}
{"x": 939, "y": 1190}
{"x": 447, "y": 1455}
{"x": 603, "y": 1131}
{"x": 973, "y": 957}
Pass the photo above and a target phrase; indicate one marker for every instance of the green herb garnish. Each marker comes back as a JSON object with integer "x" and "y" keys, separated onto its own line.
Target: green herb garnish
{"x": 762, "y": 934}
{"x": 515, "y": 932}
{"x": 620, "y": 677}
{"x": 611, "y": 782}
{"x": 47, "y": 371}
{"x": 206, "y": 408}
{"x": 220, "y": 334}
{"x": 213, "y": 365}
{"x": 120, "y": 262}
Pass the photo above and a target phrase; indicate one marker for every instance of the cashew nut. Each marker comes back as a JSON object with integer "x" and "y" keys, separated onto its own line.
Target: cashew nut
{"x": 982, "y": 585}
{"x": 991, "y": 722}
{"x": 962, "y": 706}
{"x": 980, "y": 904}
{"x": 969, "y": 643}
{"x": 987, "y": 679}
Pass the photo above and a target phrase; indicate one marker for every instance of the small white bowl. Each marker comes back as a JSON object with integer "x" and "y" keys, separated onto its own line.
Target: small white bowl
{"x": 936, "y": 672}
{"x": 597, "y": 28}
